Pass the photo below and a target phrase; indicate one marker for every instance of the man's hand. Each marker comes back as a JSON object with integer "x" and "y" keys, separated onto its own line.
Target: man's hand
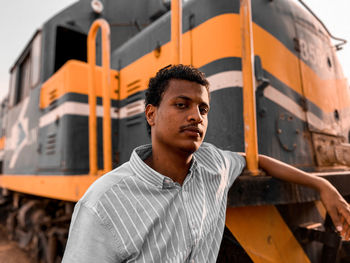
{"x": 337, "y": 208}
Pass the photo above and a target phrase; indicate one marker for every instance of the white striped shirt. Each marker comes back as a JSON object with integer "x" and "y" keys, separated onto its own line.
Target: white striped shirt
{"x": 135, "y": 214}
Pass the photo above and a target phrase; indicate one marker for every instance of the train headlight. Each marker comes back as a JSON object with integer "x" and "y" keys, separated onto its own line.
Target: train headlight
{"x": 97, "y": 6}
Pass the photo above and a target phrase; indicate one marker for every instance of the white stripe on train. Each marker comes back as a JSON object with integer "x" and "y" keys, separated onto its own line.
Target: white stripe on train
{"x": 222, "y": 80}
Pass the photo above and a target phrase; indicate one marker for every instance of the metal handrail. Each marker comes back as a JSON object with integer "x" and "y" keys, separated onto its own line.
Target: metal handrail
{"x": 249, "y": 108}
{"x": 176, "y": 29}
{"x": 106, "y": 83}
{"x": 337, "y": 46}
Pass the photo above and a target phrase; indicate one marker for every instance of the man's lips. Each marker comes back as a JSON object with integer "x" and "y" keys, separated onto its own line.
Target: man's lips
{"x": 191, "y": 129}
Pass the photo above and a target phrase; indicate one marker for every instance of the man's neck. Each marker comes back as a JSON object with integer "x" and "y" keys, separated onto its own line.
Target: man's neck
{"x": 175, "y": 165}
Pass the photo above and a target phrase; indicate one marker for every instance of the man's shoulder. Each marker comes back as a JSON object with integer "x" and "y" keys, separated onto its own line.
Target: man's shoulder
{"x": 209, "y": 149}
{"x": 210, "y": 154}
{"x": 216, "y": 161}
{"x": 105, "y": 183}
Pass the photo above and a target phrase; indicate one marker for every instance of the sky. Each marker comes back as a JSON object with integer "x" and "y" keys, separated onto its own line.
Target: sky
{"x": 17, "y": 26}
{"x": 19, "y": 20}
{"x": 335, "y": 15}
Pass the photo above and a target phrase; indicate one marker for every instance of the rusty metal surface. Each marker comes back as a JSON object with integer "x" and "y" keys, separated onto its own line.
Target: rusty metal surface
{"x": 331, "y": 150}
{"x": 265, "y": 190}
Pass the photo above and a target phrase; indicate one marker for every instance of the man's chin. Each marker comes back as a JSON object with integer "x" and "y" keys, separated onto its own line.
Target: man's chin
{"x": 192, "y": 147}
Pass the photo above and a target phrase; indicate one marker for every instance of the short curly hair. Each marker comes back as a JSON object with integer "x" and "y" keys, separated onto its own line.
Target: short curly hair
{"x": 158, "y": 84}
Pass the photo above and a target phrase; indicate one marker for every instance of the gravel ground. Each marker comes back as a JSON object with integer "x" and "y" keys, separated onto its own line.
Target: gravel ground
{"x": 10, "y": 252}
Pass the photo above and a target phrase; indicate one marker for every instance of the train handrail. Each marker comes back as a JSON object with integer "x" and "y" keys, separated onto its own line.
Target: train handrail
{"x": 106, "y": 82}
{"x": 176, "y": 29}
{"x": 249, "y": 108}
{"x": 342, "y": 41}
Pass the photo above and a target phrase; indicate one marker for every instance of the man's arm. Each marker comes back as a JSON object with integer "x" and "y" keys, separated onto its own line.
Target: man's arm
{"x": 89, "y": 240}
{"x": 337, "y": 207}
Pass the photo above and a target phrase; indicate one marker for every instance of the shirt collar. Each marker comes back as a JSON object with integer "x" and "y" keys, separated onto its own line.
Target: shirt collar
{"x": 146, "y": 173}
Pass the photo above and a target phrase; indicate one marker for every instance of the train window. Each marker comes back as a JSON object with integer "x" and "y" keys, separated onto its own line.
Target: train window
{"x": 23, "y": 79}
{"x": 20, "y": 80}
{"x": 12, "y": 92}
{"x": 36, "y": 57}
{"x": 70, "y": 44}
{"x": 26, "y": 73}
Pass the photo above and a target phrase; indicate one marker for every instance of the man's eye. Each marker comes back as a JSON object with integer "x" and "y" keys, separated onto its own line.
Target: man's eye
{"x": 204, "y": 110}
{"x": 180, "y": 105}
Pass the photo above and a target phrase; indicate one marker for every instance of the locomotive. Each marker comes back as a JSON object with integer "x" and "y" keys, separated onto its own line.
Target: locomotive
{"x": 67, "y": 120}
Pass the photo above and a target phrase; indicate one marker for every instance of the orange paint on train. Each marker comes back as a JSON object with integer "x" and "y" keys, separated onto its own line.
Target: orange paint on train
{"x": 215, "y": 39}
{"x": 61, "y": 187}
{"x": 73, "y": 78}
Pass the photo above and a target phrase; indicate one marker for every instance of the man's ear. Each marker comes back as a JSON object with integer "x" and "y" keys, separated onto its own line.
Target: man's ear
{"x": 150, "y": 113}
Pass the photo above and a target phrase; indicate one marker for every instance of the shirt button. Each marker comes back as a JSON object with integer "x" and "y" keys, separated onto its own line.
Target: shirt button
{"x": 167, "y": 180}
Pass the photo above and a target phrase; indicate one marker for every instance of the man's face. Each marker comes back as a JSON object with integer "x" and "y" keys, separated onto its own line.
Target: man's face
{"x": 180, "y": 121}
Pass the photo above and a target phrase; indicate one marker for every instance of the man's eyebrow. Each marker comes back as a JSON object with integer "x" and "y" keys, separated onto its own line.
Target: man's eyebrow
{"x": 183, "y": 97}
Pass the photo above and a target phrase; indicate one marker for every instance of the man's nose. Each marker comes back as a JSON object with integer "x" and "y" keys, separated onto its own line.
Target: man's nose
{"x": 195, "y": 115}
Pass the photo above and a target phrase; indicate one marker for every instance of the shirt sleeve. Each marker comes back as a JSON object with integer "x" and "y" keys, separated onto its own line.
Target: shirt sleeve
{"x": 236, "y": 165}
{"x": 228, "y": 164}
{"x": 89, "y": 239}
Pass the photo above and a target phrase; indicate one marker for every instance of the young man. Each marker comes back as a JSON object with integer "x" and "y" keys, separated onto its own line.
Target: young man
{"x": 168, "y": 203}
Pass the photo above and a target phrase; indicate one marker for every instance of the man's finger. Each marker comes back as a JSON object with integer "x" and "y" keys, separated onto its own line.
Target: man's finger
{"x": 346, "y": 234}
{"x": 345, "y": 212}
{"x": 333, "y": 213}
{"x": 345, "y": 227}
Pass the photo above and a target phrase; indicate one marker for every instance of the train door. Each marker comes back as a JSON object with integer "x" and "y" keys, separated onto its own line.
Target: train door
{"x": 317, "y": 72}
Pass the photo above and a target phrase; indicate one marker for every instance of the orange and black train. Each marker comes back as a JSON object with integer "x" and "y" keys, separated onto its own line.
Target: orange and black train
{"x": 302, "y": 104}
